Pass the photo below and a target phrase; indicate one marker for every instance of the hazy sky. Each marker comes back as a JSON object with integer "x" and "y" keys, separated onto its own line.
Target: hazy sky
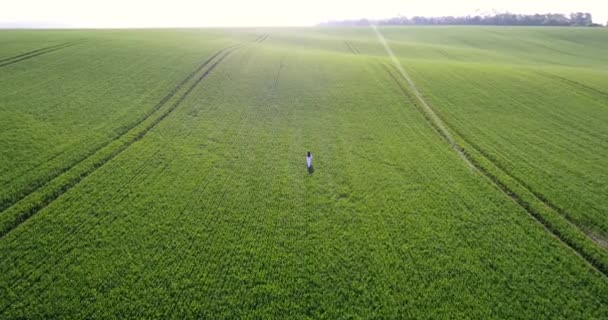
{"x": 192, "y": 13}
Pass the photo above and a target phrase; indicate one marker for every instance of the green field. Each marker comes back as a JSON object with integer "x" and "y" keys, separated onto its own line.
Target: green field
{"x": 161, "y": 173}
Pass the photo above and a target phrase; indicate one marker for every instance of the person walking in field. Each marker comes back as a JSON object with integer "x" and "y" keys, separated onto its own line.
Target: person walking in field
{"x": 309, "y": 159}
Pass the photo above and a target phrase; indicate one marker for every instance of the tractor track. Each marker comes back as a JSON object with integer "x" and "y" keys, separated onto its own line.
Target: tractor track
{"x": 575, "y": 84}
{"x": 278, "y": 74}
{"x": 352, "y": 48}
{"x": 33, "y": 51}
{"x": 23, "y": 215}
{"x": 10, "y": 202}
{"x": 261, "y": 38}
{"x": 597, "y": 238}
{"x": 37, "y": 52}
{"x": 441, "y": 128}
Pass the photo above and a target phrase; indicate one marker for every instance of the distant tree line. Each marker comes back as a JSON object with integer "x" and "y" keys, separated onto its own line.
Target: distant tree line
{"x": 499, "y": 19}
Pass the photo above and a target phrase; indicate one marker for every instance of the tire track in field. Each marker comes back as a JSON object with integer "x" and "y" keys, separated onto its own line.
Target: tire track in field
{"x": 351, "y": 47}
{"x": 37, "y": 52}
{"x": 33, "y": 51}
{"x": 7, "y": 203}
{"x": 84, "y": 225}
{"x": 278, "y": 74}
{"x": 441, "y": 128}
{"x": 555, "y": 223}
{"x": 575, "y": 84}
{"x": 23, "y": 215}
{"x": 261, "y": 38}
{"x": 596, "y": 237}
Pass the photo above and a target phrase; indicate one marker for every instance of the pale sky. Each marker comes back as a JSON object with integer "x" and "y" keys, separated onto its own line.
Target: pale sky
{"x": 205, "y": 13}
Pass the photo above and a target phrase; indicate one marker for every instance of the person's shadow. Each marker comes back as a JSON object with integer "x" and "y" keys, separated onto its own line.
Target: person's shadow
{"x": 311, "y": 169}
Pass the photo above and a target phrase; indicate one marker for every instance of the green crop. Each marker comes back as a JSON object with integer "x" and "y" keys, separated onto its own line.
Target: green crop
{"x": 162, "y": 174}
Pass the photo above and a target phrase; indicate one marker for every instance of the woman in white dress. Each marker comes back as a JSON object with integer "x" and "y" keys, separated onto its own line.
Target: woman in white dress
{"x": 309, "y": 159}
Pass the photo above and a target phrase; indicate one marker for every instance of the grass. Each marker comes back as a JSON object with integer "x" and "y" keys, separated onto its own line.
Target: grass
{"x": 205, "y": 207}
